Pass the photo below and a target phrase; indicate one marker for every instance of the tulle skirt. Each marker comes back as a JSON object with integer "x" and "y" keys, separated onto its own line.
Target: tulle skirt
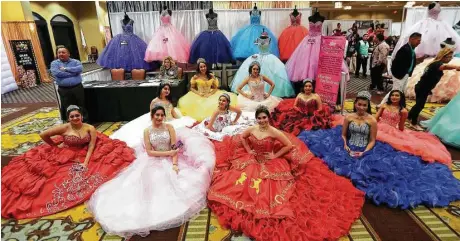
{"x": 168, "y": 41}
{"x": 445, "y": 90}
{"x": 243, "y": 42}
{"x": 271, "y": 67}
{"x": 390, "y": 177}
{"x": 213, "y": 46}
{"x": 446, "y": 123}
{"x": 124, "y": 51}
{"x": 149, "y": 195}
{"x": 289, "y": 39}
{"x": 303, "y": 63}
{"x": 246, "y": 104}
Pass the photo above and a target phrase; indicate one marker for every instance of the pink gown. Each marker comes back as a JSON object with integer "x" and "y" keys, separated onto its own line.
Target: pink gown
{"x": 303, "y": 63}
{"x": 422, "y": 144}
{"x": 167, "y": 41}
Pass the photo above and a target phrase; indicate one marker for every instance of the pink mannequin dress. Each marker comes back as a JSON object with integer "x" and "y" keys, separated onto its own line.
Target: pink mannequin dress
{"x": 167, "y": 41}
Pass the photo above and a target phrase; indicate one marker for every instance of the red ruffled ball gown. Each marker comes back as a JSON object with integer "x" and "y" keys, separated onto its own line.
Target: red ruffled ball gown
{"x": 294, "y": 197}
{"x": 48, "y": 179}
{"x": 286, "y": 118}
{"x": 291, "y": 37}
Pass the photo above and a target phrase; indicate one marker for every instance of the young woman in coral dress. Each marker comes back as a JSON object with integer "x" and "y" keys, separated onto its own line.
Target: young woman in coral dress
{"x": 164, "y": 187}
{"x": 201, "y": 100}
{"x": 389, "y": 177}
{"x": 63, "y": 172}
{"x": 291, "y": 36}
{"x": 305, "y": 112}
{"x": 167, "y": 41}
{"x": 391, "y": 118}
{"x": 249, "y": 101}
{"x": 269, "y": 186}
{"x": 131, "y": 132}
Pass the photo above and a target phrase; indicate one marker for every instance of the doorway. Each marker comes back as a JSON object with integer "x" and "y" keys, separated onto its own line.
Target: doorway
{"x": 64, "y": 34}
{"x": 44, "y": 36}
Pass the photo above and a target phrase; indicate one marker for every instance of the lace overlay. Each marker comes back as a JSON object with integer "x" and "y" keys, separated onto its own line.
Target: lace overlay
{"x": 358, "y": 134}
{"x": 315, "y": 28}
{"x": 160, "y": 139}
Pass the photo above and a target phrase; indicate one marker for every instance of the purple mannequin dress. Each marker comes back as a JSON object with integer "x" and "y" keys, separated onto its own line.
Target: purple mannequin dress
{"x": 125, "y": 50}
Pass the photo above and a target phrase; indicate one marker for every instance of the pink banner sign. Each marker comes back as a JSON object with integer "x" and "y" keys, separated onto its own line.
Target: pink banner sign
{"x": 329, "y": 71}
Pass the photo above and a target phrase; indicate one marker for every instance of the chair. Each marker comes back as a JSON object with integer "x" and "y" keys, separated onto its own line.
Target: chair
{"x": 138, "y": 74}
{"x": 117, "y": 74}
{"x": 94, "y": 54}
{"x": 180, "y": 73}
{"x": 387, "y": 77}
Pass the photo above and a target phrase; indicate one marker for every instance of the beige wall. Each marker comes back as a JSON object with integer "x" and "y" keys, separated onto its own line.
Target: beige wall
{"x": 12, "y": 11}
{"x": 89, "y": 23}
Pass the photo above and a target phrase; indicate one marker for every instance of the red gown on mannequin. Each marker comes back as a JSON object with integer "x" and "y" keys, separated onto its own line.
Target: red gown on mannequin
{"x": 291, "y": 37}
{"x": 286, "y": 118}
{"x": 48, "y": 179}
{"x": 295, "y": 197}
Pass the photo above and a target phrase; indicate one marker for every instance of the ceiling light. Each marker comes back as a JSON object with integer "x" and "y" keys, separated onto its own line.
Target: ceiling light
{"x": 347, "y": 7}
{"x": 338, "y": 4}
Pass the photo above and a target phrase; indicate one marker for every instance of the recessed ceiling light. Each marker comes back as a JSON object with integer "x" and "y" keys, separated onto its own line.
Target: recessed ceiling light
{"x": 347, "y": 7}
{"x": 338, "y": 4}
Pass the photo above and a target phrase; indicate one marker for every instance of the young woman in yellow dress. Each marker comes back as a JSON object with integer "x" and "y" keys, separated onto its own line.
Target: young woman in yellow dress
{"x": 200, "y": 101}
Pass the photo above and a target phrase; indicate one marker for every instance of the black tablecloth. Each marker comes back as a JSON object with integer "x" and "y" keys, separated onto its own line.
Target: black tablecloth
{"x": 126, "y": 100}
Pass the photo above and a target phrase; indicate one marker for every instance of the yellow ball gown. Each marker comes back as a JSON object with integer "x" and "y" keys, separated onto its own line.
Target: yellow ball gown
{"x": 199, "y": 107}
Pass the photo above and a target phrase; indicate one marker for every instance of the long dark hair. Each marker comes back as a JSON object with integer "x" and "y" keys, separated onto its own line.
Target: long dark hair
{"x": 402, "y": 99}
{"x": 369, "y": 110}
{"x": 169, "y": 97}
{"x": 208, "y": 73}
{"x": 312, "y": 86}
{"x": 252, "y": 65}
{"x": 155, "y": 109}
{"x": 262, "y": 109}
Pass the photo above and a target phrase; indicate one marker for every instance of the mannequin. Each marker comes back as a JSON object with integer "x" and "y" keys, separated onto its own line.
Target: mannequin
{"x": 431, "y": 5}
{"x": 316, "y": 17}
{"x": 211, "y": 14}
{"x": 295, "y": 12}
{"x": 126, "y": 19}
{"x": 255, "y": 9}
{"x": 169, "y": 10}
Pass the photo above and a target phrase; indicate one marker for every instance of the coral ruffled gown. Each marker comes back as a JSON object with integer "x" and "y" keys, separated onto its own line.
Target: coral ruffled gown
{"x": 294, "y": 197}
{"x": 389, "y": 177}
{"x": 48, "y": 179}
{"x": 167, "y": 41}
{"x": 310, "y": 118}
{"x": 291, "y": 37}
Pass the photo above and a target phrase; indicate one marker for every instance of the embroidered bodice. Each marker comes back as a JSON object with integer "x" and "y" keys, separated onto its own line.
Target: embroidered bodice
{"x": 307, "y": 106}
{"x": 159, "y": 139}
{"x": 222, "y": 120}
{"x": 170, "y": 73}
{"x": 315, "y": 29}
{"x": 391, "y": 118}
{"x": 435, "y": 11}
{"x": 257, "y": 89}
{"x": 165, "y": 18}
{"x": 75, "y": 141}
{"x": 255, "y": 17}
{"x": 168, "y": 109}
{"x": 127, "y": 28}
{"x": 261, "y": 147}
{"x": 212, "y": 24}
{"x": 358, "y": 134}
{"x": 264, "y": 45}
{"x": 295, "y": 21}
{"x": 204, "y": 86}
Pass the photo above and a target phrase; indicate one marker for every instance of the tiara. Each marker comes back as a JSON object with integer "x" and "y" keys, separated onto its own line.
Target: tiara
{"x": 364, "y": 94}
{"x": 261, "y": 107}
{"x": 200, "y": 60}
{"x": 73, "y": 107}
{"x": 308, "y": 80}
{"x": 226, "y": 96}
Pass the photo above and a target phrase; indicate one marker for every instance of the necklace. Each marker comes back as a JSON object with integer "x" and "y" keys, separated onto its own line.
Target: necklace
{"x": 77, "y": 130}
{"x": 263, "y": 128}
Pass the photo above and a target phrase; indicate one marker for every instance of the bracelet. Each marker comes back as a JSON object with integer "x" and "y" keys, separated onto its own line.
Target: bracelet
{"x": 174, "y": 164}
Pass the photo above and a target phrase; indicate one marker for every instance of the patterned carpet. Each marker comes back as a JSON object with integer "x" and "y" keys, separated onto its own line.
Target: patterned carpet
{"x": 376, "y": 223}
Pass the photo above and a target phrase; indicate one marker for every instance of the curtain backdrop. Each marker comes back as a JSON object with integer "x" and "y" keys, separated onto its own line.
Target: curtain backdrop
{"x": 25, "y": 30}
{"x": 146, "y": 6}
{"x": 191, "y": 22}
{"x": 450, "y": 15}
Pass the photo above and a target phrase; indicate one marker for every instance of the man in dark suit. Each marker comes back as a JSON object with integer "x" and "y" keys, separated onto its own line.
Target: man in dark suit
{"x": 403, "y": 64}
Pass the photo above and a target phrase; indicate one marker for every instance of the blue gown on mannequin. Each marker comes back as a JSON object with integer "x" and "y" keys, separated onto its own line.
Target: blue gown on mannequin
{"x": 212, "y": 45}
{"x": 125, "y": 51}
{"x": 243, "y": 41}
{"x": 270, "y": 66}
{"x": 446, "y": 123}
{"x": 389, "y": 177}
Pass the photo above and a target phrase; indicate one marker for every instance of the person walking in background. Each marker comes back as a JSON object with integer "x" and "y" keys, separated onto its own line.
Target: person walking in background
{"x": 403, "y": 64}
{"x": 67, "y": 74}
{"x": 337, "y": 31}
{"x": 378, "y": 63}
{"x": 362, "y": 50}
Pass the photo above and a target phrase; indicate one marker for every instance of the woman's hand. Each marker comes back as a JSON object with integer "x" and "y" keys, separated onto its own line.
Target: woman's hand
{"x": 249, "y": 96}
{"x": 252, "y": 152}
{"x": 266, "y": 95}
{"x": 346, "y": 148}
{"x": 173, "y": 152}
{"x": 234, "y": 123}
{"x": 176, "y": 168}
{"x": 269, "y": 156}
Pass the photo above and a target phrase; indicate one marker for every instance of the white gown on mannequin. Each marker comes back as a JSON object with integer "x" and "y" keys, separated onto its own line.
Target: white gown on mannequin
{"x": 149, "y": 195}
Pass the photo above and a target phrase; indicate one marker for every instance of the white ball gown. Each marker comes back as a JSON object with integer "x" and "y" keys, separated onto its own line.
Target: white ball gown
{"x": 149, "y": 195}
{"x": 257, "y": 90}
